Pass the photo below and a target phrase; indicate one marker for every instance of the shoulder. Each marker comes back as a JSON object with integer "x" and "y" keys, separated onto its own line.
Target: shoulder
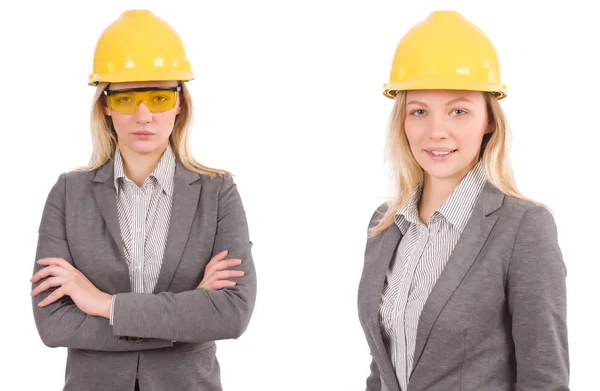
{"x": 528, "y": 227}
{"x": 79, "y": 177}
{"x": 517, "y": 205}
{"x": 220, "y": 188}
{"x": 74, "y": 180}
{"x": 535, "y": 251}
{"x": 378, "y": 214}
{"x": 69, "y": 187}
{"x": 528, "y": 215}
{"x": 218, "y": 182}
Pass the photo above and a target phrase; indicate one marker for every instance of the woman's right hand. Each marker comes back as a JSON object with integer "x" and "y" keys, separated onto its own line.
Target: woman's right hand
{"x": 215, "y": 274}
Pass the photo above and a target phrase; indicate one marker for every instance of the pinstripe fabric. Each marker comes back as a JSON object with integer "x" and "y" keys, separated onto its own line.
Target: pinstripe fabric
{"x": 144, "y": 217}
{"x": 420, "y": 258}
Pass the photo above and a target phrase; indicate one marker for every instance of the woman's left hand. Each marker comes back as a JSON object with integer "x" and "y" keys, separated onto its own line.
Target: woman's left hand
{"x": 70, "y": 282}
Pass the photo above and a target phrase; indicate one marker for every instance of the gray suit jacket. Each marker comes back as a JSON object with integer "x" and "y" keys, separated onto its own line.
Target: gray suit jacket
{"x": 80, "y": 224}
{"x": 496, "y": 318}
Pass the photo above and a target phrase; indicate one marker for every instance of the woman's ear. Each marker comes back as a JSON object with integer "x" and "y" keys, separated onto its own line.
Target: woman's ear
{"x": 180, "y": 103}
{"x": 107, "y": 110}
{"x": 491, "y": 126}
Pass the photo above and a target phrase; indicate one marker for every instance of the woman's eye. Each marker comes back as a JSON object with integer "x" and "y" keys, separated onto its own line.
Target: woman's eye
{"x": 160, "y": 99}
{"x": 418, "y": 112}
{"x": 124, "y": 99}
{"x": 459, "y": 112}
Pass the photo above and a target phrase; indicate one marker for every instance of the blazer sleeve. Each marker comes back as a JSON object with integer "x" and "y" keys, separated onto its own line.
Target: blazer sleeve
{"x": 536, "y": 291}
{"x": 374, "y": 379}
{"x": 199, "y": 315}
{"x": 62, "y": 324}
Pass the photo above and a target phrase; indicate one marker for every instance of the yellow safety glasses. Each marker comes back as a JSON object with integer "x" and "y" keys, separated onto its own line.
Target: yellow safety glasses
{"x": 156, "y": 99}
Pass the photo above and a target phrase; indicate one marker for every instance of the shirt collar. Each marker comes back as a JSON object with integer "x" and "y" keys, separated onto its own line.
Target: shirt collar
{"x": 163, "y": 173}
{"x": 409, "y": 213}
{"x": 456, "y": 209}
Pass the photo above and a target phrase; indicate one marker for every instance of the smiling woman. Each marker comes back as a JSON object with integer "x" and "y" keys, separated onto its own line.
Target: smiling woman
{"x": 446, "y": 126}
{"x": 463, "y": 286}
{"x": 144, "y": 253}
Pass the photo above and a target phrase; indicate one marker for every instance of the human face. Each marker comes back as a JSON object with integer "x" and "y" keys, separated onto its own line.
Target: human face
{"x": 143, "y": 132}
{"x": 445, "y": 129}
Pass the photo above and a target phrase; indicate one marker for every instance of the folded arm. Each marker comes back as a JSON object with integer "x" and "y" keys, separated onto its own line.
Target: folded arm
{"x": 62, "y": 323}
{"x": 199, "y": 315}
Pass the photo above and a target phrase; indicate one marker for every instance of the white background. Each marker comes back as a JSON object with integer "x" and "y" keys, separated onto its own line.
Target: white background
{"x": 288, "y": 97}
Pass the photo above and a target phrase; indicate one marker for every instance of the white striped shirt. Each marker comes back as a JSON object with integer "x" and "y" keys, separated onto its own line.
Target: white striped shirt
{"x": 420, "y": 258}
{"x": 144, "y": 217}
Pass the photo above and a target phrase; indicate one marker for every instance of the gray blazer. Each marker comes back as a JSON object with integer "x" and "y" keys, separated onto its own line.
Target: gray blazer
{"x": 496, "y": 318}
{"x": 177, "y": 325}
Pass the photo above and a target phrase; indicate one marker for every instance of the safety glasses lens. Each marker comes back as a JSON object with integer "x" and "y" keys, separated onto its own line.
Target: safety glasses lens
{"x": 127, "y": 102}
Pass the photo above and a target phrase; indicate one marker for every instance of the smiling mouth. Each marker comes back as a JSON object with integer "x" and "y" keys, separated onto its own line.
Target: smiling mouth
{"x": 440, "y": 153}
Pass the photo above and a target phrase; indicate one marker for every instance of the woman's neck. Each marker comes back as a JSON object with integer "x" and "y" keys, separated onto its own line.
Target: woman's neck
{"x": 437, "y": 190}
{"x": 139, "y": 166}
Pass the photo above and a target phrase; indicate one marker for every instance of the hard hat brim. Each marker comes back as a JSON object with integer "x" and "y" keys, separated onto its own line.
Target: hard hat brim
{"x": 390, "y": 90}
{"x": 131, "y": 77}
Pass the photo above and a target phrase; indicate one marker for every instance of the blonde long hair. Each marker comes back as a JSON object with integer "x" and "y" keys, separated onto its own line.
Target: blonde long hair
{"x": 104, "y": 137}
{"x": 406, "y": 175}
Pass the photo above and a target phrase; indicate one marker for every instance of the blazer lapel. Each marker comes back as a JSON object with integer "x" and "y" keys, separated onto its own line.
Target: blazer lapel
{"x": 106, "y": 199}
{"x": 375, "y": 280}
{"x": 464, "y": 254}
{"x": 186, "y": 193}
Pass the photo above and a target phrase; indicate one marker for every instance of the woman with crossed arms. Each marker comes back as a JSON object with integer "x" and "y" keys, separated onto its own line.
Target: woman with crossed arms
{"x": 143, "y": 258}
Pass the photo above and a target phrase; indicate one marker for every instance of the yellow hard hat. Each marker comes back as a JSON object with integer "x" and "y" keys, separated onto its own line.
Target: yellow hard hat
{"x": 446, "y": 52}
{"x": 139, "y": 46}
